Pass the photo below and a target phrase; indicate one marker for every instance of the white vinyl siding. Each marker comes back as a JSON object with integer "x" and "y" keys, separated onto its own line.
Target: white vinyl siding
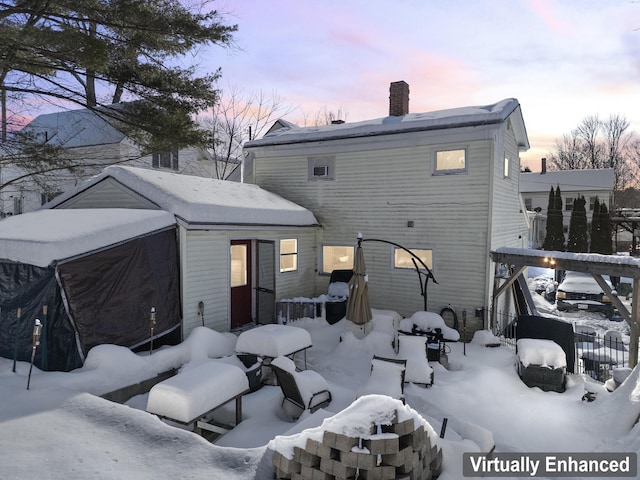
{"x": 205, "y": 258}
{"x": 449, "y": 212}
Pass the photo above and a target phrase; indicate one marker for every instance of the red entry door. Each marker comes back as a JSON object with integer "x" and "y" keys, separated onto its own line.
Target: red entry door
{"x": 240, "y": 270}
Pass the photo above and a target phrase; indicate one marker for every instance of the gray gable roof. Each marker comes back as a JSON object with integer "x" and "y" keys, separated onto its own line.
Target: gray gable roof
{"x": 74, "y": 128}
{"x": 452, "y": 118}
{"x": 568, "y": 180}
{"x": 202, "y": 201}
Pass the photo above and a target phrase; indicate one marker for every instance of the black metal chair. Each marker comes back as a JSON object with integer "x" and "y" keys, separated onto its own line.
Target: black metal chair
{"x": 300, "y": 388}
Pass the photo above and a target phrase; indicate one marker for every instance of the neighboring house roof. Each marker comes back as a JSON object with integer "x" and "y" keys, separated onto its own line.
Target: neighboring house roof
{"x": 74, "y": 128}
{"x": 568, "y": 180}
{"x": 198, "y": 200}
{"x": 42, "y": 237}
{"x": 453, "y": 118}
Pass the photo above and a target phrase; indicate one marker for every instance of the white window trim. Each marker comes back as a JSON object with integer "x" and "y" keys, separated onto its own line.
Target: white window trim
{"x": 393, "y": 258}
{"x": 453, "y": 171}
{"x": 321, "y": 270}
{"x": 293, "y": 254}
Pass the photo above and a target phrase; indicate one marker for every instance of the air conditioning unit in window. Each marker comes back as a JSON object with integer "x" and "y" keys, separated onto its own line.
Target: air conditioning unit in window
{"x": 321, "y": 171}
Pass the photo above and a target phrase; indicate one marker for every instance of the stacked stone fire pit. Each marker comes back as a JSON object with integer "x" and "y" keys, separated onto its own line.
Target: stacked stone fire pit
{"x": 374, "y": 438}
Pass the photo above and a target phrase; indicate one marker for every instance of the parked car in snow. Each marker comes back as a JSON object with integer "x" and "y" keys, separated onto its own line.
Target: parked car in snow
{"x": 580, "y": 291}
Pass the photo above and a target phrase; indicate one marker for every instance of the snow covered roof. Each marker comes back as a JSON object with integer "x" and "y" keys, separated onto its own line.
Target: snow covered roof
{"x": 569, "y": 180}
{"x": 616, "y": 265}
{"x": 205, "y": 201}
{"x": 74, "y": 128}
{"x": 451, "y": 118}
{"x": 44, "y": 236}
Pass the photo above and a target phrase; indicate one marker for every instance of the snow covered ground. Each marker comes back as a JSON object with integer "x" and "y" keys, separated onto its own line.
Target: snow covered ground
{"x": 61, "y": 429}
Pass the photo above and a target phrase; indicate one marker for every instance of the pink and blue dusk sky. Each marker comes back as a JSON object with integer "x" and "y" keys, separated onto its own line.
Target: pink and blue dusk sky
{"x": 563, "y": 60}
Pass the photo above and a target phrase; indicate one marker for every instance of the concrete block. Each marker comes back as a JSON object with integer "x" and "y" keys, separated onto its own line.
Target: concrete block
{"x": 382, "y": 444}
{"x": 383, "y": 472}
{"x": 411, "y": 464}
{"x": 285, "y": 464}
{"x": 404, "y": 428}
{"x": 310, "y": 473}
{"x": 436, "y": 463}
{"x": 336, "y": 468}
{"x": 358, "y": 460}
{"x": 305, "y": 458}
{"x": 284, "y": 475}
{"x": 399, "y": 458}
{"x": 338, "y": 441}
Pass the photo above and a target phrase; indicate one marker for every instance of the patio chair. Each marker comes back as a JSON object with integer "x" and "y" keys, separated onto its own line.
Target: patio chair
{"x": 414, "y": 350}
{"x": 387, "y": 378}
{"x": 306, "y": 389}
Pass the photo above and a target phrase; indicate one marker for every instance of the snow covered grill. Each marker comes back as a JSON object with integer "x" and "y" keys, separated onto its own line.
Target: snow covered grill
{"x": 191, "y": 395}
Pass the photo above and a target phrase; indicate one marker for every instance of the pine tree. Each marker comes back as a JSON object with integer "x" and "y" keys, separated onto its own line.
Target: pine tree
{"x": 554, "y": 238}
{"x": 551, "y": 205}
{"x": 595, "y": 236}
{"x": 578, "y": 227}
{"x": 605, "y": 230}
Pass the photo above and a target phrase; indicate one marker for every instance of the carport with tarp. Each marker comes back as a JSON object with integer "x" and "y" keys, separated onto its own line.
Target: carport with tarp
{"x": 518, "y": 259}
{"x": 91, "y": 277}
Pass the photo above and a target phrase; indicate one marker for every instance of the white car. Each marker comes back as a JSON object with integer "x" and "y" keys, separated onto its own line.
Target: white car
{"x": 580, "y": 291}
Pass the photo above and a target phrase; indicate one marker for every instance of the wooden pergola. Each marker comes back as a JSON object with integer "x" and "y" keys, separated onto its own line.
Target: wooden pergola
{"x": 595, "y": 264}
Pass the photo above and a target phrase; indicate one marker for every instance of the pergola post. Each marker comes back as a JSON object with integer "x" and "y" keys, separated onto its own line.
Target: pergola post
{"x": 634, "y": 325}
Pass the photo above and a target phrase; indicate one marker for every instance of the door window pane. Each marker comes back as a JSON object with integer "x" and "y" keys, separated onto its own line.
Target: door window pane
{"x": 238, "y": 265}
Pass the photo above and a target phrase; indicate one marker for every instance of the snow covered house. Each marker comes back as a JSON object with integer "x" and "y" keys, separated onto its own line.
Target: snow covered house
{"x": 443, "y": 184}
{"x": 92, "y": 143}
{"x": 90, "y": 277}
{"x": 240, "y": 247}
{"x": 591, "y": 184}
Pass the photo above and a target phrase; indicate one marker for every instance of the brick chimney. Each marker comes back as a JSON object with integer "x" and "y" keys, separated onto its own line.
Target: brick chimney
{"x": 398, "y": 98}
{"x": 543, "y": 166}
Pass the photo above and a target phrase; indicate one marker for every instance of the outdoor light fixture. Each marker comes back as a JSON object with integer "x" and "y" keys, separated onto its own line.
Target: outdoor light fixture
{"x": 152, "y": 324}
{"x": 37, "y": 330}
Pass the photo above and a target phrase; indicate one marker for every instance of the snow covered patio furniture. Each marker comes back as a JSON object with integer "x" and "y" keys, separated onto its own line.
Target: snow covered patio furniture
{"x": 387, "y": 378}
{"x": 190, "y": 396}
{"x": 271, "y": 341}
{"x": 414, "y": 350}
{"x": 333, "y": 304}
{"x": 542, "y": 363}
{"x": 306, "y": 389}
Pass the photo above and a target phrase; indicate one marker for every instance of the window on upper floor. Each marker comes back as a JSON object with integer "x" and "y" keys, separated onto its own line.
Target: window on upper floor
{"x": 288, "y": 255}
{"x": 404, "y": 259}
{"x": 321, "y": 168}
{"x": 528, "y": 204}
{"x": 337, "y": 257}
{"x": 568, "y": 204}
{"x": 450, "y": 162}
{"x": 592, "y": 203}
{"x": 165, "y": 160}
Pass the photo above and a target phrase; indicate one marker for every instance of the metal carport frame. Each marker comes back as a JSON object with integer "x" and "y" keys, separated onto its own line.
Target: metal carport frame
{"x": 595, "y": 264}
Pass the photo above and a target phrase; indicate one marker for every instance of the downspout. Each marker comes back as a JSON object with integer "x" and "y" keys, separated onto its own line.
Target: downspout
{"x": 489, "y": 274}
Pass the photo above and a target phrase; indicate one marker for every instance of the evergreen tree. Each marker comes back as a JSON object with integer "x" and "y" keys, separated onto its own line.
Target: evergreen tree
{"x": 578, "y": 227}
{"x": 554, "y": 238}
{"x": 551, "y": 205}
{"x": 595, "y": 237}
{"x": 559, "y": 243}
{"x": 605, "y": 230}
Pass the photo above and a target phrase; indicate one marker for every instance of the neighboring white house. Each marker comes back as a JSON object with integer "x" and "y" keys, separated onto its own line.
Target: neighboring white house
{"x": 591, "y": 184}
{"x": 443, "y": 184}
{"x": 87, "y": 139}
{"x": 240, "y": 247}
